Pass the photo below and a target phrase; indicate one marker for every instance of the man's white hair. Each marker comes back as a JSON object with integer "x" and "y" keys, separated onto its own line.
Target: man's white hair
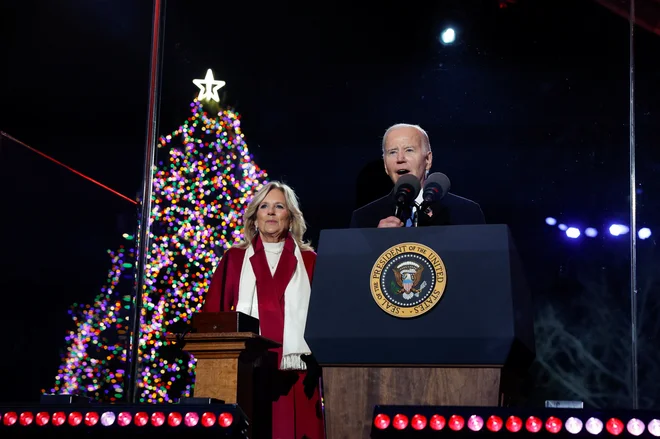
{"x": 425, "y": 137}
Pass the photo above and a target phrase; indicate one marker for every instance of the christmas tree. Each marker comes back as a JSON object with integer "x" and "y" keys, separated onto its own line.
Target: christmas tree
{"x": 203, "y": 180}
{"x": 97, "y": 348}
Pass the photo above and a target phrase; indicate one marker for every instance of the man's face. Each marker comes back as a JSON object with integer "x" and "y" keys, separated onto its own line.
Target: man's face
{"x": 405, "y": 153}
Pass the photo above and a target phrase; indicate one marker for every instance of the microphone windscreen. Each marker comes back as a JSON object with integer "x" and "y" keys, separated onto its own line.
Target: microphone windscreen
{"x": 408, "y": 180}
{"x": 440, "y": 181}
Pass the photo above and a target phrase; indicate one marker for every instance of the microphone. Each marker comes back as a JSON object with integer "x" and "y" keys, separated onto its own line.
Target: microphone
{"x": 435, "y": 188}
{"x": 405, "y": 191}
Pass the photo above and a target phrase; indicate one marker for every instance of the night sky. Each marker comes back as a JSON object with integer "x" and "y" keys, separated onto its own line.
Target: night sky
{"x": 527, "y": 113}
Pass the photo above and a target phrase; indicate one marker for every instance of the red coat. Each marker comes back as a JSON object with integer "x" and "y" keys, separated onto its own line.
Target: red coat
{"x": 295, "y": 412}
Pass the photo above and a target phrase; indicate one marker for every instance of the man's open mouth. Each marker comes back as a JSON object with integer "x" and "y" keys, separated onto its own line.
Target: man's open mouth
{"x": 402, "y": 171}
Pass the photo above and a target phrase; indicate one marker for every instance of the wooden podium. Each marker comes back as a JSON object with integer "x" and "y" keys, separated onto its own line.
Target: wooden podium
{"x": 228, "y": 350}
{"x": 461, "y": 342}
{"x": 350, "y": 393}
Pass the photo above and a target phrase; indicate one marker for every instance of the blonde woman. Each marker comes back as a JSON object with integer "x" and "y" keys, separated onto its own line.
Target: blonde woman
{"x": 268, "y": 276}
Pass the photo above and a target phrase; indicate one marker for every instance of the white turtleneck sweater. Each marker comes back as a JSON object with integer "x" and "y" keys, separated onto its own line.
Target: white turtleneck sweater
{"x": 273, "y": 252}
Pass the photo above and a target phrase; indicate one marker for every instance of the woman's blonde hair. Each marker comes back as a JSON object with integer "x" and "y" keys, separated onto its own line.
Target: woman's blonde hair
{"x": 298, "y": 226}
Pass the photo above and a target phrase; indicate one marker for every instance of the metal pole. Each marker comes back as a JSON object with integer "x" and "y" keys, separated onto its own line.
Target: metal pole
{"x": 147, "y": 182}
{"x": 633, "y": 217}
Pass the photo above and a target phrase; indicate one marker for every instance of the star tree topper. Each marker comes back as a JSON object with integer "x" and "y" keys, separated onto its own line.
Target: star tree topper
{"x": 209, "y": 87}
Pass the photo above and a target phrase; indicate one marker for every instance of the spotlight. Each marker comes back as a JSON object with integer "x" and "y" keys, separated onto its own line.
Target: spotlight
{"x": 448, "y": 36}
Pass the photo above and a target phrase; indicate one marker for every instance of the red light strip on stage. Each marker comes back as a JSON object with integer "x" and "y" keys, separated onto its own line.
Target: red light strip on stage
{"x": 514, "y": 424}
{"x": 120, "y": 418}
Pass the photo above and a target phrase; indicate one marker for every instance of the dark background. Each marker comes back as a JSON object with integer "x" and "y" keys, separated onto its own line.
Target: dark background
{"x": 527, "y": 112}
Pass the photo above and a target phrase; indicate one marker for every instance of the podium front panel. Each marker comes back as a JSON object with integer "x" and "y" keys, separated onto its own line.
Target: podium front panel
{"x": 473, "y": 322}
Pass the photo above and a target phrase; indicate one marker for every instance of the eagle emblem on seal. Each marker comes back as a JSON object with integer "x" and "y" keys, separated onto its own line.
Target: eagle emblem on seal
{"x": 408, "y": 275}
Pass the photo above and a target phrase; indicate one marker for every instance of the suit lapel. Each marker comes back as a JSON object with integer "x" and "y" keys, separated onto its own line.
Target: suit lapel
{"x": 436, "y": 215}
{"x": 259, "y": 262}
{"x": 285, "y": 267}
{"x": 386, "y": 207}
{"x": 277, "y": 283}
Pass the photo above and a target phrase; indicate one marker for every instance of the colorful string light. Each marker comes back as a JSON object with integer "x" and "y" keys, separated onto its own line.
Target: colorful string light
{"x": 199, "y": 196}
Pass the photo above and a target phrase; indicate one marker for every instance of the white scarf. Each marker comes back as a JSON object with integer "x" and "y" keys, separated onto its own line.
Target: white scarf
{"x": 296, "y": 302}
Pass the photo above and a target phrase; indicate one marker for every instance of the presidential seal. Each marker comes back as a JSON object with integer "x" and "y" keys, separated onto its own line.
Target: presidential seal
{"x": 408, "y": 280}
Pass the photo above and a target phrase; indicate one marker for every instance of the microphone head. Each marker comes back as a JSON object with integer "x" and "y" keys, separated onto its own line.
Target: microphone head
{"x": 408, "y": 186}
{"x": 436, "y": 187}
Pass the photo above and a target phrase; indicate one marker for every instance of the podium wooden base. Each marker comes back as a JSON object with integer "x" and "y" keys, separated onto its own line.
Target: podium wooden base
{"x": 350, "y": 393}
{"x": 225, "y": 368}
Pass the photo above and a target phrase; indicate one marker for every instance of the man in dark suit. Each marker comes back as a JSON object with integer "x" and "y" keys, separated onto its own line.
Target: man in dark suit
{"x": 407, "y": 150}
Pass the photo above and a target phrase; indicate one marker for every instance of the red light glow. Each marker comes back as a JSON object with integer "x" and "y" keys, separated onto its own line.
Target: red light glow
{"x": 174, "y": 419}
{"x": 124, "y": 419}
{"x": 59, "y": 418}
{"x": 494, "y": 423}
{"x": 514, "y": 424}
{"x": 400, "y": 422}
{"x": 208, "y": 419}
{"x": 26, "y": 418}
{"x": 418, "y": 422}
{"x": 226, "y": 419}
{"x": 141, "y": 419}
{"x": 91, "y": 419}
{"x": 437, "y": 422}
{"x": 456, "y": 422}
{"x": 614, "y": 426}
{"x": 10, "y": 418}
{"x": 43, "y": 418}
{"x": 157, "y": 419}
{"x": 533, "y": 424}
{"x": 553, "y": 424}
{"x": 381, "y": 421}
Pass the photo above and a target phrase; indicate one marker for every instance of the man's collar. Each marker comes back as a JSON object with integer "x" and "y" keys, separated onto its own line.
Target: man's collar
{"x": 420, "y": 197}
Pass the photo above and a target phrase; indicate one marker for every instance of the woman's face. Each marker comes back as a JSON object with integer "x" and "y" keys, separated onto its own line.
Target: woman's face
{"x": 273, "y": 217}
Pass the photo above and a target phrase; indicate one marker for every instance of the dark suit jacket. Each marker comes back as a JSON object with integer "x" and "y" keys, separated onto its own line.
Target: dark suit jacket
{"x": 451, "y": 210}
